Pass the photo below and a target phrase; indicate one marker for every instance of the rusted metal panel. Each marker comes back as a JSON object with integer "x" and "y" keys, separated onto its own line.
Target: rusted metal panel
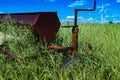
{"x": 24, "y": 18}
{"x": 46, "y": 24}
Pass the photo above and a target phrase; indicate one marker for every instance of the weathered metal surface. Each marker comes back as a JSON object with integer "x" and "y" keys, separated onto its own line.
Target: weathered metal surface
{"x": 24, "y": 18}
{"x": 74, "y": 48}
{"x": 75, "y": 40}
{"x": 46, "y": 24}
{"x": 75, "y": 28}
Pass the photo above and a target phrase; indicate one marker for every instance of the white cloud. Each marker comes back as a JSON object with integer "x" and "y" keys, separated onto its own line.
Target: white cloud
{"x": 70, "y": 17}
{"x": 116, "y": 21}
{"x": 90, "y": 19}
{"x": 1, "y": 12}
{"x": 77, "y": 3}
{"x": 106, "y": 16}
{"x": 50, "y": 0}
{"x": 118, "y": 1}
{"x": 107, "y": 4}
{"x": 104, "y": 5}
{"x": 80, "y": 19}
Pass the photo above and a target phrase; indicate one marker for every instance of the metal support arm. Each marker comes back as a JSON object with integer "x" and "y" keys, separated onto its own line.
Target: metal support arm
{"x": 76, "y": 29}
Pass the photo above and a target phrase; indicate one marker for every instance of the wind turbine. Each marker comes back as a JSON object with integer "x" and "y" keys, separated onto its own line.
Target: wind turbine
{"x": 102, "y": 11}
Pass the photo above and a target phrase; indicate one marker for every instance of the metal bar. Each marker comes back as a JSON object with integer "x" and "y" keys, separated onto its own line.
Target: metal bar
{"x": 66, "y": 26}
{"x": 76, "y": 12}
{"x": 74, "y": 48}
{"x": 75, "y": 20}
{"x": 88, "y": 9}
{"x": 75, "y": 40}
{"x": 75, "y": 28}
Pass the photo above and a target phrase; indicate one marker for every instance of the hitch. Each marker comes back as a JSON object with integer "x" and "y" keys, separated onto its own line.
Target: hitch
{"x": 74, "y": 48}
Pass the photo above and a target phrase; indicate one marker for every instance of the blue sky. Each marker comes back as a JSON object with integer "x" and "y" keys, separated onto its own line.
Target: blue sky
{"x": 107, "y": 10}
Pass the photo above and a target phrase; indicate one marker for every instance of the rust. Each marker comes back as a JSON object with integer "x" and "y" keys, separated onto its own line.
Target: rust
{"x": 66, "y": 26}
{"x": 59, "y": 48}
{"x": 75, "y": 29}
{"x": 55, "y": 47}
{"x": 75, "y": 40}
{"x": 46, "y": 25}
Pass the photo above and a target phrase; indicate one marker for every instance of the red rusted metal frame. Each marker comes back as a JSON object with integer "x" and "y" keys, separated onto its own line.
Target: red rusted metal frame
{"x": 74, "y": 48}
{"x": 76, "y": 29}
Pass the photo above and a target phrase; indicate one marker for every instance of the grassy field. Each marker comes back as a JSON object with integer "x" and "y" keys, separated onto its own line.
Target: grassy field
{"x": 37, "y": 63}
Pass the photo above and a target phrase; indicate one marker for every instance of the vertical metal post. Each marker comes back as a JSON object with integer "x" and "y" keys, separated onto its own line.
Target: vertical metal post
{"x": 75, "y": 29}
{"x": 75, "y": 34}
{"x": 75, "y": 18}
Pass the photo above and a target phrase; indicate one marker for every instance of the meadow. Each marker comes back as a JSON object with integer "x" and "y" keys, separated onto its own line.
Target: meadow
{"x": 35, "y": 62}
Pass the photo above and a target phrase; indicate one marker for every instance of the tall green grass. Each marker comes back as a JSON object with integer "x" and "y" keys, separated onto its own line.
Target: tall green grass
{"x": 38, "y": 63}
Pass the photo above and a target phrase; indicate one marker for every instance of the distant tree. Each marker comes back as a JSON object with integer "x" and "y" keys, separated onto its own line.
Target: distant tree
{"x": 118, "y": 23}
{"x": 110, "y": 22}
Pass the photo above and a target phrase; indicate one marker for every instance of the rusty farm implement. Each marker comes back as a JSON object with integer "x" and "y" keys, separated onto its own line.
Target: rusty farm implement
{"x": 46, "y": 25}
